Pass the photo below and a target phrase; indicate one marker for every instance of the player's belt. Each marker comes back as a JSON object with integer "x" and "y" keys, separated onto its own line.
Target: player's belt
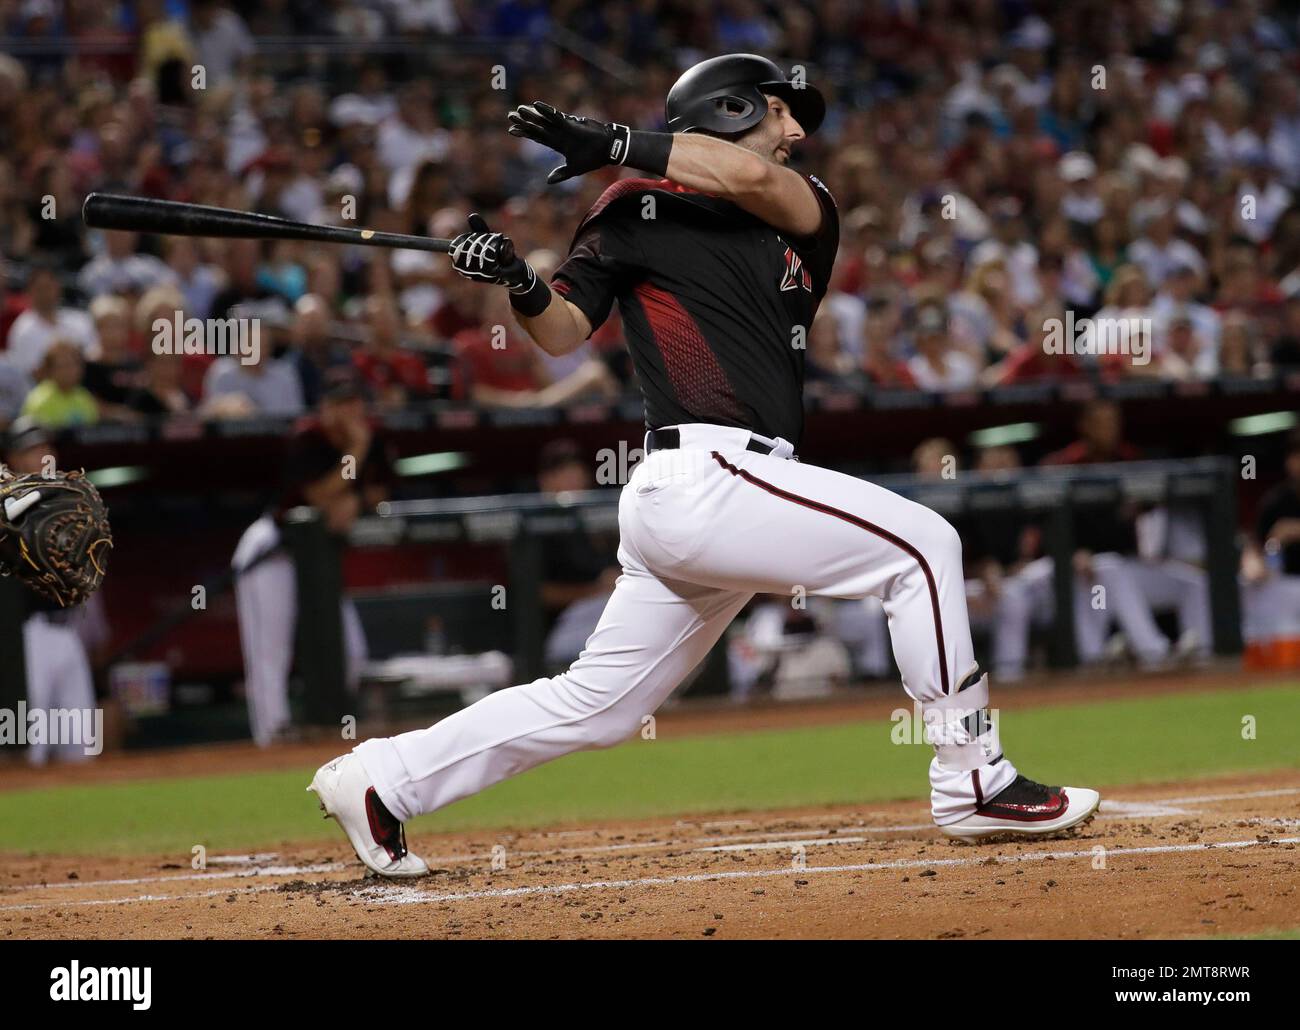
{"x": 670, "y": 439}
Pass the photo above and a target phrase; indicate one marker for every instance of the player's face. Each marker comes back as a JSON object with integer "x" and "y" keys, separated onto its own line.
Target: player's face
{"x": 775, "y": 136}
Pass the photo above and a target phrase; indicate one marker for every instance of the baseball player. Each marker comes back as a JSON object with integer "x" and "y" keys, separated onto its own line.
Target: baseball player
{"x": 266, "y": 585}
{"x": 718, "y": 259}
{"x": 57, "y": 666}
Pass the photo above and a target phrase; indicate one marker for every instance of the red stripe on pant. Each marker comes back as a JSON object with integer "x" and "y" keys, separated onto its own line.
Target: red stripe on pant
{"x": 861, "y": 523}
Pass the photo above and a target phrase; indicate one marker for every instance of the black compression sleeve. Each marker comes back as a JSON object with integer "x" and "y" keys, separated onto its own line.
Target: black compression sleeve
{"x": 649, "y": 151}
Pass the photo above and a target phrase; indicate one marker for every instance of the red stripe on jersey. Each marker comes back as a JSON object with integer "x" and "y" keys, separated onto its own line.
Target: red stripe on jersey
{"x": 621, "y": 189}
{"x": 629, "y": 187}
{"x": 698, "y": 380}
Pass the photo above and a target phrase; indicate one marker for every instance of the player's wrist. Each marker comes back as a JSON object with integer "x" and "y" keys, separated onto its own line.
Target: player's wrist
{"x": 646, "y": 151}
{"x": 531, "y": 296}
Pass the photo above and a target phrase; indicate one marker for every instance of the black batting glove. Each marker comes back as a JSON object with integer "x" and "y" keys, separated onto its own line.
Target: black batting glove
{"x": 489, "y": 257}
{"x": 586, "y": 143}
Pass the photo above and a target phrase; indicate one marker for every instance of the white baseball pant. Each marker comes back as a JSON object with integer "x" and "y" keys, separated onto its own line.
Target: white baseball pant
{"x": 702, "y": 529}
{"x": 1169, "y": 584}
{"x": 266, "y": 600}
{"x": 58, "y": 676}
{"x": 1028, "y": 599}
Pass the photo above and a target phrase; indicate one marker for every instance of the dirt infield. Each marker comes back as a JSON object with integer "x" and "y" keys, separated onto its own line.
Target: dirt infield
{"x": 1185, "y": 859}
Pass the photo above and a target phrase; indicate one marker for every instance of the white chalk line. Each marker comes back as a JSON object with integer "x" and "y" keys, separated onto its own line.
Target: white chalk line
{"x": 282, "y": 870}
{"x": 770, "y": 841}
{"x": 386, "y": 895}
{"x": 1154, "y": 808}
{"x": 141, "y": 898}
{"x": 659, "y": 845}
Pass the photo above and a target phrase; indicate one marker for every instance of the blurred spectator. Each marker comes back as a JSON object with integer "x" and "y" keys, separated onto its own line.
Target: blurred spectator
{"x": 198, "y": 281}
{"x": 395, "y": 376}
{"x": 881, "y": 333}
{"x": 221, "y": 40}
{"x": 242, "y": 263}
{"x": 59, "y": 399}
{"x": 935, "y": 458}
{"x": 1177, "y": 293}
{"x": 120, "y": 269}
{"x": 1260, "y": 200}
{"x": 1158, "y": 251}
{"x": 159, "y": 391}
{"x": 36, "y": 329}
{"x": 1108, "y": 247}
{"x": 112, "y": 372}
{"x": 502, "y": 367}
{"x": 412, "y": 134}
{"x": 1081, "y": 202}
{"x": 939, "y": 364}
{"x": 314, "y": 351}
{"x": 825, "y": 362}
{"x": 983, "y": 314}
{"x": 1009, "y": 245}
{"x": 1101, "y": 438}
{"x": 1044, "y": 357}
{"x": 1185, "y": 353}
{"x": 15, "y": 385}
{"x": 236, "y": 386}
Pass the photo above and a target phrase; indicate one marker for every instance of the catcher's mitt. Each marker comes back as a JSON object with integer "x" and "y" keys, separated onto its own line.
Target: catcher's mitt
{"x": 54, "y": 534}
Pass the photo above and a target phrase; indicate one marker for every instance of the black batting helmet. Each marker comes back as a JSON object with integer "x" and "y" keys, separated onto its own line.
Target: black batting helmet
{"x": 728, "y": 95}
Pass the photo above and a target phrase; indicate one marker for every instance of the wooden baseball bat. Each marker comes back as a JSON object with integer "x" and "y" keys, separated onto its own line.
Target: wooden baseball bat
{"x": 173, "y": 218}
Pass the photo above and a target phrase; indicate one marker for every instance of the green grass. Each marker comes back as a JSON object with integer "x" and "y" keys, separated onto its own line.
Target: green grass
{"x": 1263, "y": 935}
{"x": 1170, "y": 737}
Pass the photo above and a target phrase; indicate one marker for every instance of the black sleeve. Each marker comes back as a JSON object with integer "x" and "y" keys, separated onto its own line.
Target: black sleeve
{"x": 604, "y": 256}
{"x": 378, "y": 468}
{"x": 818, "y": 250}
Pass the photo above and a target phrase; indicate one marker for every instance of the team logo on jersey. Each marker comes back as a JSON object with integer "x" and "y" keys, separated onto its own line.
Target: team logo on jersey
{"x": 795, "y": 276}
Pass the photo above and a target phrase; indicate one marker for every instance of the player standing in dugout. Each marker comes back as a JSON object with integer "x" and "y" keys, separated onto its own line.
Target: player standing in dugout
{"x": 718, "y": 261}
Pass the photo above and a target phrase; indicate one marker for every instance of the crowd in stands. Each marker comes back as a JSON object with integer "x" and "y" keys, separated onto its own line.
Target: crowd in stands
{"x": 996, "y": 167}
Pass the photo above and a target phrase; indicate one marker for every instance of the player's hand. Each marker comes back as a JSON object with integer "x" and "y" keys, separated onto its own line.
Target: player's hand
{"x": 585, "y": 143}
{"x": 484, "y": 256}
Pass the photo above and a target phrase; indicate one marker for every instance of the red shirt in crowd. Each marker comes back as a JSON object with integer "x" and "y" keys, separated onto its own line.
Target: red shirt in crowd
{"x": 396, "y": 368}
{"x": 1029, "y": 363}
{"x": 512, "y": 367}
{"x": 1080, "y": 453}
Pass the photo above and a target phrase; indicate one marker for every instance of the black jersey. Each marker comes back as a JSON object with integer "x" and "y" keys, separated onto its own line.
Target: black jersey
{"x": 717, "y": 305}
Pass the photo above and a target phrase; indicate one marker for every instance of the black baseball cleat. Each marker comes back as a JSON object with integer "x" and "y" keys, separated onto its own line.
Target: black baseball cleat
{"x": 1028, "y": 809}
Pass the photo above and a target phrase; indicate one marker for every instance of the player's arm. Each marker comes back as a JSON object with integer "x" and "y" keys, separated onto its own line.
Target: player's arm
{"x": 560, "y": 328}
{"x": 487, "y": 257}
{"x": 780, "y": 196}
